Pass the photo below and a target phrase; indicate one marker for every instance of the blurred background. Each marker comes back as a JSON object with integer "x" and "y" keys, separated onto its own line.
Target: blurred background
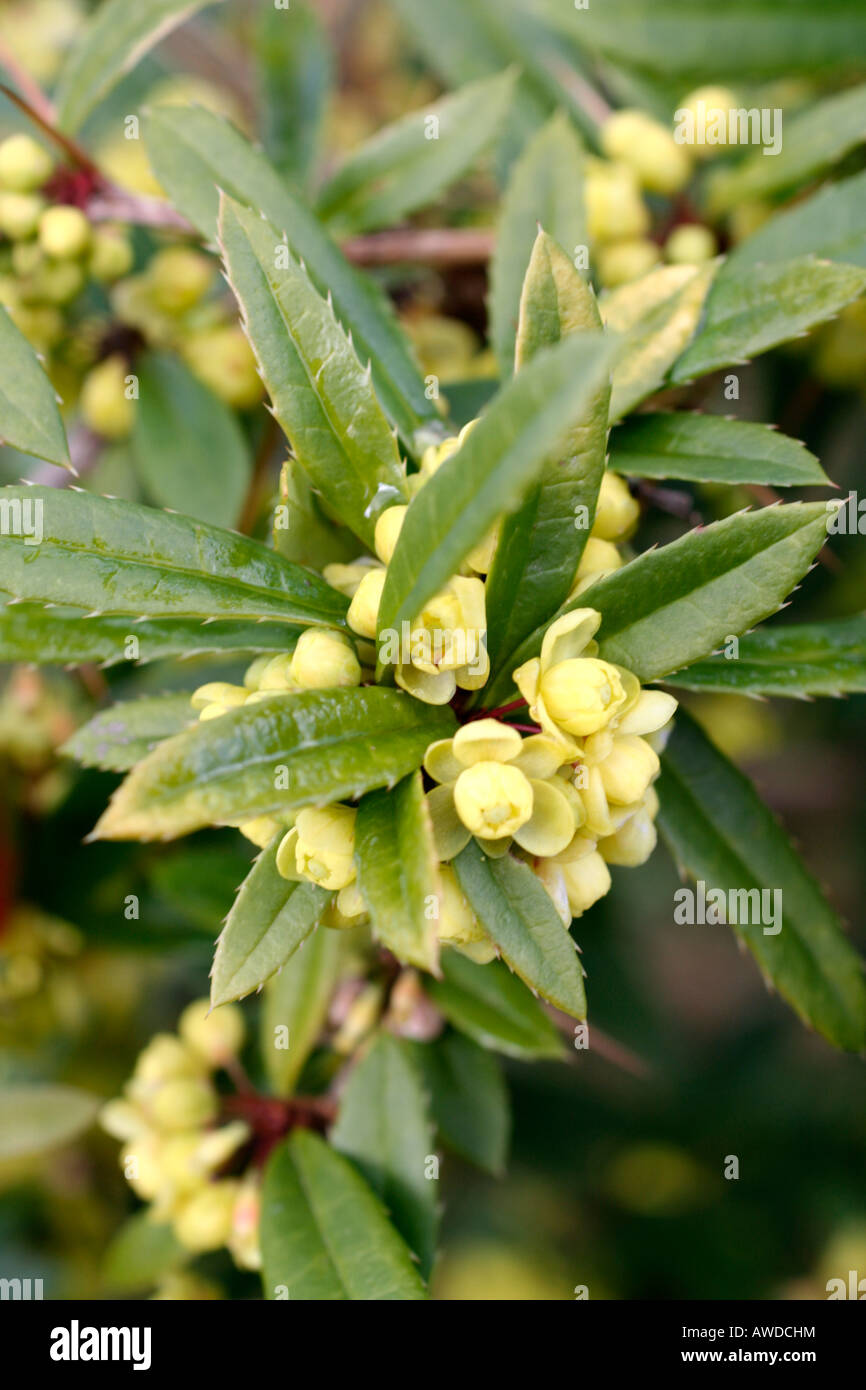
{"x": 617, "y": 1175}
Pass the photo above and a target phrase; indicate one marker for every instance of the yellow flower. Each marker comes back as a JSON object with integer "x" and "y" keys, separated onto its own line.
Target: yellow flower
{"x": 568, "y": 689}
{"x": 324, "y": 659}
{"x": 497, "y": 786}
{"x": 617, "y": 511}
{"x": 363, "y": 614}
{"x": 445, "y": 647}
{"x": 320, "y": 847}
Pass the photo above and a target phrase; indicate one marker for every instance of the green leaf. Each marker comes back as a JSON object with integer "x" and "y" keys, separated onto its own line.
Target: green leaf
{"x": 814, "y": 138}
{"x": 322, "y": 397}
{"x": 398, "y": 870}
{"x": 541, "y": 544}
{"x": 116, "y": 38}
{"x": 766, "y": 305}
{"x": 67, "y": 637}
{"x": 302, "y": 531}
{"x": 699, "y": 40}
{"x": 325, "y": 1235}
{"x": 29, "y": 417}
{"x": 796, "y": 660}
{"x": 117, "y": 738}
{"x": 384, "y": 1128}
{"x": 468, "y": 1099}
{"x": 656, "y": 317}
{"x": 712, "y": 449}
{"x": 190, "y": 451}
{"x": 195, "y": 154}
{"x": 140, "y": 1254}
{"x": 294, "y": 67}
{"x": 108, "y": 556}
{"x": 35, "y": 1118}
{"x": 518, "y": 914}
{"x": 832, "y": 224}
{"x": 404, "y": 167}
{"x": 720, "y": 831}
{"x": 491, "y": 472}
{"x": 545, "y": 189}
{"x": 270, "y": 918}
{"x": 297, "y": 1001}
{"x": 492, "y": 1007}
{"x": 273, "y": 756}
{"x": 676, "y": 605}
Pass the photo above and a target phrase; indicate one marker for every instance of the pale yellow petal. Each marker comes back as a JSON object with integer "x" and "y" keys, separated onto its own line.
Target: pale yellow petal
{"x": 449, "y": 833}
{"x": 486, "y": 740}
{"x": 568, "y": 636}
{"x": 433, "y": 690}
{"x": 650, "y": 713}
{"x": 440, "y": 762}
{"x": 539, "y": 756}
{"x": 551, "y": 826}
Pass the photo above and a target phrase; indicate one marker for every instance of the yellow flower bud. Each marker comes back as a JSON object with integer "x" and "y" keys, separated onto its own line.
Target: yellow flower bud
{"x": 179, "y": 278}
{"x": 205, "y": 1221}
{"x": 363, "y": 613}
{"x": 325, "y": 845}
{"x": 24, "y": 164}
{"x": 20, "y": 214}
{"x": 623, "y": 261}
{"x": 690, "y": 244}
{"x": 58, "y": 282}
{"x": 582, "y": 694}
{"x": 223, "y": 359}
{"x": 632, "y": 844}
{"x": 586, "y": 880}
{"x": 660, "y": 164}
{"x": 261, "y": 830}
{"x": 456, "y": 921}
{"x": 324, "y": 659}
{"x": 64, "y": 233}
{"x": 617, "y": 511}
{"x": 388, "y": 529}
{"x": 141, "y": 1164}
{"x": 598, "y": 559}
{"x": 218, "y": 693}
{"x": 183, "y": 1104}
{"x": 493, "y": 799}
{"x": 705, "y": 111}
{"x": 253, "y": 673}
{"x": 628, "y": 769}
{"x": 105, "y": 407}
{"x": 111, "y": 254}
{"x": 215, "y": 1034}
{"x": 165, "y": 1059}
{"x": 614, "y": 207}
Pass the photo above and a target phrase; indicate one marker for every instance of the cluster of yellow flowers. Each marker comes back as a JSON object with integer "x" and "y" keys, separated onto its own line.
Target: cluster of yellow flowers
{"x": 570, "y": 799}
{"x": 174, "y": 1148}
{"x": 642, "y": 156}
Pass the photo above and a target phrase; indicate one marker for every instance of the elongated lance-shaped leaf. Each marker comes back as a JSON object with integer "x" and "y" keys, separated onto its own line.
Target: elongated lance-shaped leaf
{"x": 325, "y": 1234}
{"x": 398, "y": 870}
{"x": 518, "y": 914}
{"x": 295, "y": 1006}
{"x": 493, "y": 1007}
{"x": 29, "y": 417}
{"x": 468, "y": 1098}
{"x": 34, "y": 1118}
{"x": 697, "y": 40}
{"x": 116, "y": 38}
{"x": 108, "y": 556}
{"x": 295, "y": 70}
{"x": 764, "y": 306}
{"x": 190, "y": 451}
{"x": 322, "y": 397}
{"x": 195, "y": 154}
{"x": 832, "y": 223}
{"x": 656, "y": 317}
{"x": 798, "y": 660}
{"x": 712, "y": 449}
{"x": 384, "y": 1127}
{"x": 813, "y": 139}
{"x": 407, "y": 164}
{"x": 278, "y": 754}
{"x": 67, "y": 637}
{"x": 541, "y": 544}
{"x": 673, "y": 606}
{"x": 490, "y": 474}
{"x": 117, "y": 738}
{"x": 270, "y": 918}
{"x": 721, "y": 833}
{"x": 545, "y": 189}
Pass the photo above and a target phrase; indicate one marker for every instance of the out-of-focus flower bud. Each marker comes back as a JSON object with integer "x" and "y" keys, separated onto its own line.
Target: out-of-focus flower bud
{"x": 623, "y": 261}
{"x": 690, "y": 244}
{"x": 222, "y": 358}
{"x": 659, "y": 163}
{"x": 205, "y": 1221}
{"x": 24, "y": 164}
{"x": 111, "y": 254}
{"x": 614, "y": 207}
{"x": 64, "y": 233}
{"x": 20, "y": 214}
{"x": 179, "y": 278}
{"x": 215, "y": 1034}
{"x": 705, "y": 112}
{"x": 183, "y": 1104}
{"x": 104, "y": 405}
